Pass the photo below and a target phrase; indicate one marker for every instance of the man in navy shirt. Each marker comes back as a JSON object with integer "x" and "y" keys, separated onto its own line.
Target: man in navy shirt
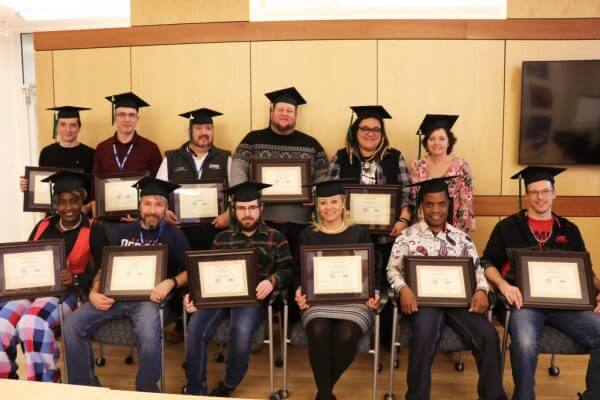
{"x": 151, "y": 229}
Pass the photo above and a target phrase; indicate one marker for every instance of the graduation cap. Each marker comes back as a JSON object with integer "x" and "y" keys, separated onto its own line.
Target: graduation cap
{"x": 151, "y": 186}
{"x": 64, "y": 112}
{"x": 246, "y": 191}
{"x": 330, "y": 187}
{"x": 127, "y": 99}
{"x": 534, "y": 173}
{"x": 200, "y": 116}
{"x": 362, "y": 112}
{"x": 431, "y": 122}
{"x": 67, "y": 181}
{"x": 434, "y": 185}
{"x": 289, "y": 95}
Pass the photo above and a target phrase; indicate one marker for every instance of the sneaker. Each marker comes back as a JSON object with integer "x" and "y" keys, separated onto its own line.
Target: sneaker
{"x": 221, "y": 390}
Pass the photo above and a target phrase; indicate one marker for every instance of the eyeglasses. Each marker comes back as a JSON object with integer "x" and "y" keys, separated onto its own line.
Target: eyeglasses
{"x": 122, "y": 115}
{"x": 536, "y": 193}
{"x": 365, "y": 130}
{"x": 243, "y": 210}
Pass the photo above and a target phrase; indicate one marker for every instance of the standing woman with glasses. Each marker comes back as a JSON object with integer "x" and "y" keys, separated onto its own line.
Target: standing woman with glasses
{"x": 438, "y": 141}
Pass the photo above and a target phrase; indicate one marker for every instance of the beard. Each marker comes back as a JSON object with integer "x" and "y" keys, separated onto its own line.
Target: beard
{"x": 246, "y": 226}
{"x": 151, "y": 221}
{"x": 284, "y": 126}
{"x": 203, "y": 142}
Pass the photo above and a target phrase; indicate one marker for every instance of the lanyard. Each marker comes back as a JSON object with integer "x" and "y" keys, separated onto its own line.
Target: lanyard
{"x": 121, "y": 165}
{"x": 160, "y": 231}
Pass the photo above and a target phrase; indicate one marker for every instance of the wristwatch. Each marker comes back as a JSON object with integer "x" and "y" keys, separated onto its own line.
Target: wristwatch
{"x": 405, "y": 220}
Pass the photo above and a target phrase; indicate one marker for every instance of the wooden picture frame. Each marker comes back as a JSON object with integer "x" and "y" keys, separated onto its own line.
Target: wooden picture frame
{"x": 113, "y": 185}
{"x": 195, "y": 191}
{"x": 35, "y": 199}
{"x": 372, "y": 201}
{"x": 294, "y": 174}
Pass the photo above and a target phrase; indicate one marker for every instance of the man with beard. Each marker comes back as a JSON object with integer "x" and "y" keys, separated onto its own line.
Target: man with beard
{"x": 281, "y": 141}
{"x": 198, "y": 159}
{"x": 274, "y": 270}
{"x": 150, "y": 230}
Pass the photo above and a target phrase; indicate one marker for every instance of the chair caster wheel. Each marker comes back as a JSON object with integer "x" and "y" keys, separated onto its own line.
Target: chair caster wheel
{"x": 274, "y": 396}
{"x": 379, "y": 367}
{"x": 129, "y": 359}
{"x": 459, "y": 367}
{"x": 100, "y": 361}
{"x": 284, "y": 394}
{"x": 396, "y": 363}
{"x": 219, "y": 357}
{"x": 553, "y": 371}
{"x": 278, "y": 362}
{"x": 389, "y": 396}
{"x": 183, "y": 389}
{"x": 183, "y": 365}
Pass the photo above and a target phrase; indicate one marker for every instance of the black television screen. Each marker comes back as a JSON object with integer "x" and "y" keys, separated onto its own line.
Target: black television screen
{"x": 560, "y": 112}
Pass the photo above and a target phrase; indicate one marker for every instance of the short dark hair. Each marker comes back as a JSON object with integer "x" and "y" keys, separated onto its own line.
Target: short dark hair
{"x": 451, "y": 139}
{"x": 352, "y": 141}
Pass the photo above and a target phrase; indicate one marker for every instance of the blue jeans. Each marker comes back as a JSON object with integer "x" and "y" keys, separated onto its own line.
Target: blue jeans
{"x": 526, "y": 326}
{"x": 83, "y": 323}
{"x": 202, "y": 327}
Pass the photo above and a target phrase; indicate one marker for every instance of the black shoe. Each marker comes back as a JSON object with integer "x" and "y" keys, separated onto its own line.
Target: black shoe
{"x": 221, "y": 390}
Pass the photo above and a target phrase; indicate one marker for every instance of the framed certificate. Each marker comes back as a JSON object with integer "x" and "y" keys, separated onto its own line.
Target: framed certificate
{"x": 287, "y": 178}
{"x": 37, "y": 196}
{"x": 337, "y": 273}
{"x": 441, "y": 281}
{"x": 198, "y": 203}
{"x": 222, "y": 278}
{"x": 375, "y": 206}
{"x": 131, "y": 272}
{"x": 115, "y": 196}
{"x": 31, "y": 269}
{"x": 555, "y": 279}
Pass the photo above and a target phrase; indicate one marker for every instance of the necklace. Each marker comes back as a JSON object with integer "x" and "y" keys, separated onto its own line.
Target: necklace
{"x": 337, "y": 230}
{"x": 62, "y": 227}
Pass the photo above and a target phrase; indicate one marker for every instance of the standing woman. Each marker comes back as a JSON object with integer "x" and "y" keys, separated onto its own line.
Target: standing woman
{"x": 333, "y": 331}
{"x": 30, "y": 322}
{"x": 438, "y": 141}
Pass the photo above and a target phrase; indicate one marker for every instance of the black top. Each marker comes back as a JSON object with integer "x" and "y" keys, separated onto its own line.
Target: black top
{"x": 56, "y": 156}
{"x": 353, "y": 234}
{"x": 97, "y": 242}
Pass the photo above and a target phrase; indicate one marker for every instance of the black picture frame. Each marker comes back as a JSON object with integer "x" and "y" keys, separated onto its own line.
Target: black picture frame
{"x": 29, "y": 202}
{"x": 587, "y": 300}
{"x": 56, "y": 246}
{"x": 110, "y": 253}
{"x": 100, "y": 182}
{"x": 175, "y": 201}
{"x": 308, "y": 254}
{"x": 217, "y": 257}
{"x": 393, "y": 191}
{"x": 305, "y": 174}
{"x": 413, "y": 263}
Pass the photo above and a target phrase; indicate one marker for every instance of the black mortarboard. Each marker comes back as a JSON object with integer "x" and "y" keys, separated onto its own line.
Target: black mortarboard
{"x": 66, "y": 181}
{"x": 534, "y": 173}
{"x": 64, "y": 112}
{"x": 377, "y": 112}
{"x": 128, "y": 99}
{"x": 246, "y": 191}
{"x": 330, "y": 187}
{"x": 201, "y": 116}
{"x": 432, "y": 122}
{"x": 434, "y": 185}
{"x": 152, "y": 186}
{"x": 289, "y": 95}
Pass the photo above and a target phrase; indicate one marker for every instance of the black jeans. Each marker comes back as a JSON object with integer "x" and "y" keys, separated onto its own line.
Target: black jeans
{"x": 474, "y": 329}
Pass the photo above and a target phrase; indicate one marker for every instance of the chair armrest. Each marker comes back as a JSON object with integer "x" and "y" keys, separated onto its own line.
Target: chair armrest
{"x": 275, "y": 294}
{"x": 164, "y": 303}
{"x": 383, "y": 299}
{"x": 392, "y": 297}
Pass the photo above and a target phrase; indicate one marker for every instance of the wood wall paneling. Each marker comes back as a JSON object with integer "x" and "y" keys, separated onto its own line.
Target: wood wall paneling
{"x": 179, "y": 78}
{"x": 155, "y": 12}
{"x": 85, "y": 77}
{"x": 331, "y": 75}
{"x": 589, "y": 228}
{"x": 45, "y": 96}
{"x": 553, "y": 9}
{"x": 417, "y": 77}
{"x": 582, "y": 180}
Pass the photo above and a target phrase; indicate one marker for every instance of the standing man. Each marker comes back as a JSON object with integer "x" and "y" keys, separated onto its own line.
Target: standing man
{"x": 151, "y": 229}
{"x": 198, "y": 159}
{"x": 274, "y": 270}
{"x": 537, "y": 227}
{"x": 435, "y": 237}
{"x": 282, "y": 141}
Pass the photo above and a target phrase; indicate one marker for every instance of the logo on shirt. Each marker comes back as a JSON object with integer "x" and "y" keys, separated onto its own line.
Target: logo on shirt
{"x": 561, "y": 239}
{"x": 179, "y": 169}
{"x": 214, "y": 166}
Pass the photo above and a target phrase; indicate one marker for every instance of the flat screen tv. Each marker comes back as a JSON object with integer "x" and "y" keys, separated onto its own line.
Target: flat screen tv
{"x": 560, "y": 112}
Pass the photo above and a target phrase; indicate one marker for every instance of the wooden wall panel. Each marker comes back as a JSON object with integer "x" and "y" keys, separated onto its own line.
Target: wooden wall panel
{"x": 84, "y": 78}
{"x": 155, "y": 12}
{"x": 45, "y": 95}
{"x": 447, "y": 77}
{"x": 179, "y": 78}
{"x": 484, "y": 227}
{"x": 578, "y": 180}
{"x": 589, "y": 228}
{"x": 553, "y": 9}
{"x": 331, "y": 75}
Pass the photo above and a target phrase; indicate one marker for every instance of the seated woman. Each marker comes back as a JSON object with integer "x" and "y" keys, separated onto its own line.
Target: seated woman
{"x": 333, "y": 330}
{"x": 438, "y": 140}
{"x": 31, "y": 321}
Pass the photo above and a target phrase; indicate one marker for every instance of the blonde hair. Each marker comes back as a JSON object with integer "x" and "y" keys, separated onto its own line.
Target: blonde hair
{"x": 316, "y": 224}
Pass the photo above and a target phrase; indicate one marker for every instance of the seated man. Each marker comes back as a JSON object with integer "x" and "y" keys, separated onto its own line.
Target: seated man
{"x": 274, "y": 270}
{"x": 537, "y": 227}
{"x": 152, "y": 229}
{"x": 435, "y": 237}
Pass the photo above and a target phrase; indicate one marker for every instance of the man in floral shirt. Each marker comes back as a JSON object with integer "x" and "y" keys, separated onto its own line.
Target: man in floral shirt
{"x": 435, "y": 237}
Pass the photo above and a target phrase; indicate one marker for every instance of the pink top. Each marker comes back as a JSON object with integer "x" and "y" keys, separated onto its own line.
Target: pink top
{"x": 460, "y": 188}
